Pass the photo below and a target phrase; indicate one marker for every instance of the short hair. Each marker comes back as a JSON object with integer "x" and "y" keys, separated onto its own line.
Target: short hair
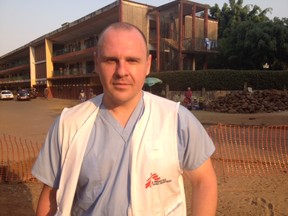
{"x": 122, "y": 26}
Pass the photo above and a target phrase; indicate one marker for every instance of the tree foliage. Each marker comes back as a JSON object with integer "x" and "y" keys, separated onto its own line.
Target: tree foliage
{"x": 248, "y": 39}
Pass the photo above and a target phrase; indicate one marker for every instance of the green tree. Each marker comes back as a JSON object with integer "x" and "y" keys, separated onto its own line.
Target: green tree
{"x": 234, "y": 13}
{"x": 248, "y": 38}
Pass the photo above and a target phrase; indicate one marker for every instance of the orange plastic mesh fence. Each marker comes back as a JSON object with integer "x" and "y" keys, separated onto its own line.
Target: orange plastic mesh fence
{"x": 250, "y": 150}
{"x": 16, "y": 158}
{"x": 240, "y": 150}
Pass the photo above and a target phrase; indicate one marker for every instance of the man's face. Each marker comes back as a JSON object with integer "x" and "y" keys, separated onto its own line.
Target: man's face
{"x": 122, "y": 64}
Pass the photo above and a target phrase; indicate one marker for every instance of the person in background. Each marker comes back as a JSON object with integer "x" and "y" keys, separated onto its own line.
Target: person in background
{"x": 46, "y": 93}
{"x": 82, "y": 96}
{"x": 188, "y": 98}
{"x": 91, "y": 93}
{"x": 124, "y": 152}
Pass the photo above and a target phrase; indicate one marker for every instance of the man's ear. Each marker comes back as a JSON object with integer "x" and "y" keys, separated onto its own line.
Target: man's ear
{"x": 149, "y": 59}
{"x": 96, "y": 61}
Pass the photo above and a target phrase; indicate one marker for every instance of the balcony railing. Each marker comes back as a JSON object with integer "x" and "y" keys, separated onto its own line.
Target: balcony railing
{"x": 200, "y": 44}
{"x": 86, "y": 45}
{"x": 15, "y": 79}
{"x": 14, "y": 64}
{"x": 66, "y": 50}
{"x": 71, "y": 72}
{"x": 190, "y": 45}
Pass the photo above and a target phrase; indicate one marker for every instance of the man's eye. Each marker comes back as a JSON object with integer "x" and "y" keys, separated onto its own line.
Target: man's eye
{"x": 110, "y": 61}
{"x": 132, "y": 61}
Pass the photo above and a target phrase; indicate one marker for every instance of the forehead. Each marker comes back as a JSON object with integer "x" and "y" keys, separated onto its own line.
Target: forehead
{"x": 120, "y": 37}
{"x": 124, "y": 29}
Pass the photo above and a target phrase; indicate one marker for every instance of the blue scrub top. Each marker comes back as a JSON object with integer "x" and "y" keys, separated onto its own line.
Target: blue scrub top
{"x": 104, "y": 182}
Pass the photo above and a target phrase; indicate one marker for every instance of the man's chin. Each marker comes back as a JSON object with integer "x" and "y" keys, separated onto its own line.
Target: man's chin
{"x": 124, "y": 98}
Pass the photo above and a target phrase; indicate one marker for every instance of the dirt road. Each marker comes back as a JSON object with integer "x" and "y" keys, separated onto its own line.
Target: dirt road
{"x": 247, "y": 196}
{"x": 32, "y": 119}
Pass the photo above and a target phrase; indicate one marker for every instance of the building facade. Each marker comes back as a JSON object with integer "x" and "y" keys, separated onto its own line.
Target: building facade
{"x": 180, "y": 36}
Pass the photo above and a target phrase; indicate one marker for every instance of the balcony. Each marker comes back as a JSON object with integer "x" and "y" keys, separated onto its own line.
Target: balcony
{"x": 70, "y": 73}
{"x": 18, "y": 79}
{"x": 65, "y": 55}
{"x": 15, "y": 67}
{"x": 199, "y": 44}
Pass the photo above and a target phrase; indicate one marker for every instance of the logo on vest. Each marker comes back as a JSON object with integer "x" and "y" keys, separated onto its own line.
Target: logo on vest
{"x": 154, "y": 179}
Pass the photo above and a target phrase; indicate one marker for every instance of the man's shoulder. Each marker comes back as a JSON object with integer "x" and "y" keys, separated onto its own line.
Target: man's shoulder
{"x": 160, "y": 105}
{"x": 159, "y": 99}
{"x": 83, "y": 109}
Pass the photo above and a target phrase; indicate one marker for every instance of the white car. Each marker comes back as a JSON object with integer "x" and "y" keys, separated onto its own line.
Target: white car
{"x": 6, "y": 95}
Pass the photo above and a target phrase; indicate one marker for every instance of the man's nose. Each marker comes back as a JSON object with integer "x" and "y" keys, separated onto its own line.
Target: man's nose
{"x": 122, "y": 68}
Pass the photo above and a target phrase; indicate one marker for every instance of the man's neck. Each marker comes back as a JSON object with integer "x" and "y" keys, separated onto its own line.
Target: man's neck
{"x": 123, "y": 111}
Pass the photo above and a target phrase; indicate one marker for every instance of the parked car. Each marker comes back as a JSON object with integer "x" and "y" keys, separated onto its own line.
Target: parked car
{"x": 23, "y": 95}
{"x": 6, "y": 95}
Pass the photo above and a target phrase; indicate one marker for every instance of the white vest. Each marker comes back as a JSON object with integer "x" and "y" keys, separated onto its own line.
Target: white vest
{"x": 156, "y": 178}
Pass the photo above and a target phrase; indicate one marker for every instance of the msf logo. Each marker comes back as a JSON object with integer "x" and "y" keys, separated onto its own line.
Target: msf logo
{"x": 154, "y": 179}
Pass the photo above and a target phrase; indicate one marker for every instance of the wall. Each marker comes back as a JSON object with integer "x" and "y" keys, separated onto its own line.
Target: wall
{"x": 136, "y": 15}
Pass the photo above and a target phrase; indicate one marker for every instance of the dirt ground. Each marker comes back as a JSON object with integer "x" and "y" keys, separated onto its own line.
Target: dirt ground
{"x": 252, "y": 195}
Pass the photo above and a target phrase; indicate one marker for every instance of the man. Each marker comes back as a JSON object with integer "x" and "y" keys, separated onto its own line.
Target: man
{"x": 124, "y": 151}
{"x": 188, "y": 98}
{"x": 82, "y": 96}
{"x": 46, "y": 93}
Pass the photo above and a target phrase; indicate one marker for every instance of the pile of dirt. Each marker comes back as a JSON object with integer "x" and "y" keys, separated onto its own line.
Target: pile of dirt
{"x": 266, "y": 101}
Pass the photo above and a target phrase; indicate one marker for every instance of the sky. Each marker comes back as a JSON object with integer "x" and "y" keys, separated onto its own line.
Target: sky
{"x": 23, "y": 21}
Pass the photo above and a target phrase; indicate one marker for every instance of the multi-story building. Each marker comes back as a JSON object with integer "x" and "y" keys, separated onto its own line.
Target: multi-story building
{"x": 180, "y": 36}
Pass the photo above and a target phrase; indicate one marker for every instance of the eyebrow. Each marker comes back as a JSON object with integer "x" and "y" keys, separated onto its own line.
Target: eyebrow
{"x": 116, "y": 58}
